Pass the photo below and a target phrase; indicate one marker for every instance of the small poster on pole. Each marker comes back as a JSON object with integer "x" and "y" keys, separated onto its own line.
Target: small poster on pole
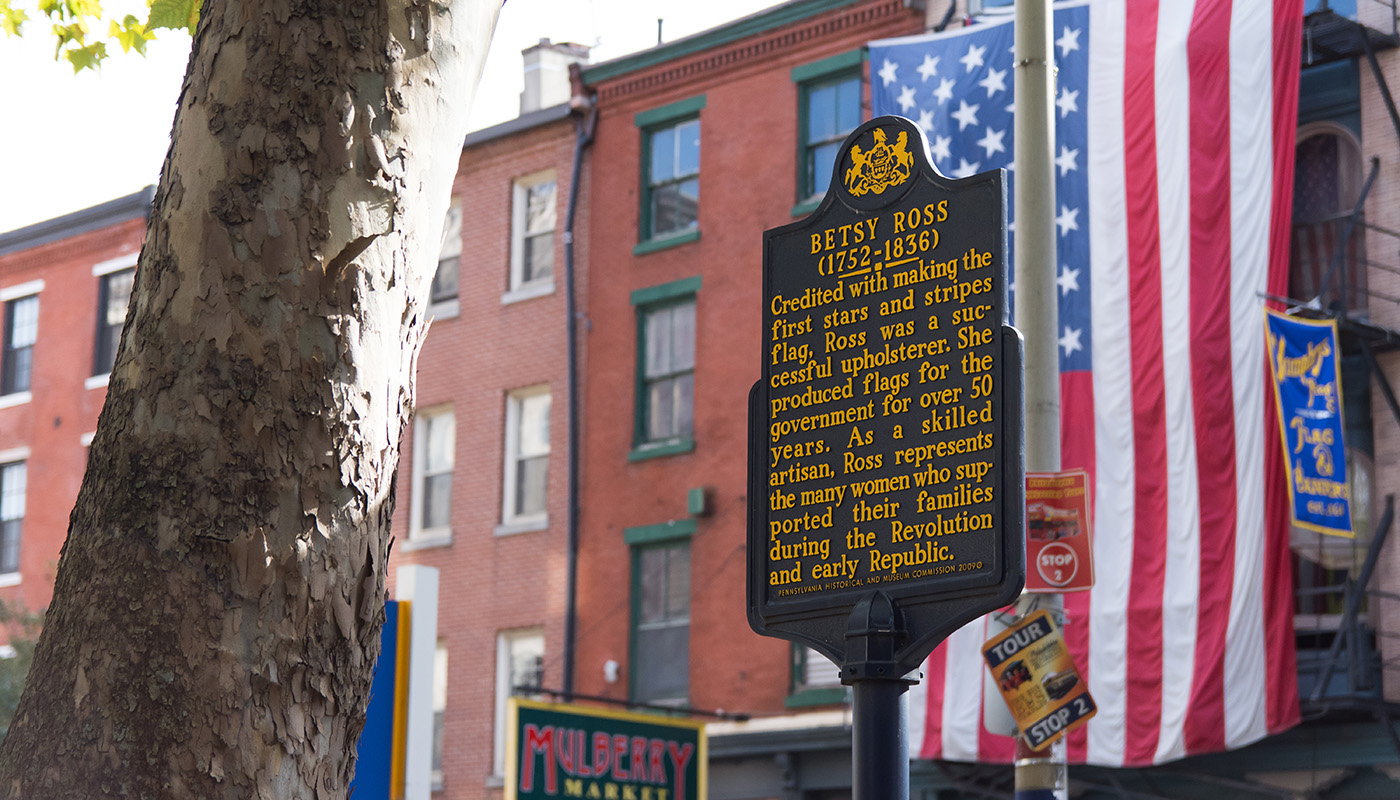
{"x": 1059, "y": 532}
{"x": 1037, "y": 678}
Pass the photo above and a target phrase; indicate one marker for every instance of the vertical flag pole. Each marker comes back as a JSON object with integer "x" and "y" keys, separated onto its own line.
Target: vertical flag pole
{"x": 1039, "y": 775}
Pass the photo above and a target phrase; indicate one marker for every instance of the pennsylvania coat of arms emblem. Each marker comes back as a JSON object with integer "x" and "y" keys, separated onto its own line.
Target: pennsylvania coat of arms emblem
{"x": 880, "y": 167}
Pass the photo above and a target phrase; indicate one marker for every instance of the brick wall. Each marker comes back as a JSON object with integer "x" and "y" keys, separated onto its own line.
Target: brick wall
{"x": 62, "y": 410}
{"x": 748, "y": 130}
{"x": 491, "y": 582}
{"x": 1379, "y": 140}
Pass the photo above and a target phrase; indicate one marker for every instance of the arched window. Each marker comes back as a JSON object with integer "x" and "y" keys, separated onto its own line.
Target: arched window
{"x": 1327, "y": 181}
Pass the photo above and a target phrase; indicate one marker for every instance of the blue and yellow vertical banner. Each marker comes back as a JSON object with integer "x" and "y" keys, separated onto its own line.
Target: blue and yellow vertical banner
{"x": 1308, "y": 389}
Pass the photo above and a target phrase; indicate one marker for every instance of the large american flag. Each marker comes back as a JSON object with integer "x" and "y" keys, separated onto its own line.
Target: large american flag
{"x": 1175, "y": 127}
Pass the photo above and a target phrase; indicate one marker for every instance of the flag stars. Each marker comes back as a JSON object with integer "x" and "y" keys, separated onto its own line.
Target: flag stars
{"x": 973, "y": 57}
{"x": 1068, "y": 280}
{"x": 966, "y": 114}
{"x": 941, "y": 147}
{"x": 1067, "y": 42}
{"x": 1070, "y": 340}
{"x": 929, "y": 68}
{"x": 1068, "y": 220}
{"x": 1068, "y": 101}
{"x": 906, "y": 98}
{"x": 991, "y": 142}
{"x": 1067, "y": 160}
{"x": 926, "y": 120}
{"x": 965, "y": 169}
{"x": 994, "y": 82}
{"x": 887, "y": 72}
{"x": 944, "y": 92}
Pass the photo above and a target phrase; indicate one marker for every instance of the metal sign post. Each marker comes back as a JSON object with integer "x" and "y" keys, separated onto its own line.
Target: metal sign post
{"x": 886, "y": 465}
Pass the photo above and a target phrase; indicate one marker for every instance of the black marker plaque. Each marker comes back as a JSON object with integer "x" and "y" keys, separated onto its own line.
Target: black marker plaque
{"x": 885, "y": 434}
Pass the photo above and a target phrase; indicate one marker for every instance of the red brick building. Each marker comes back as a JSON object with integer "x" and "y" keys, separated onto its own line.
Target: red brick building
{"x": 64, "y": 284}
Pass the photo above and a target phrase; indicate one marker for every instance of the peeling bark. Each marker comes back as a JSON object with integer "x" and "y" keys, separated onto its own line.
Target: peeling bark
{"x": 220, "y": 595}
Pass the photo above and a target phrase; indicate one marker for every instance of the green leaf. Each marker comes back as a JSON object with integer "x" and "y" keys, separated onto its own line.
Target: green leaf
{"x": 173, "y": 14}
{"x": 86, "y": 57}
{"x": 83, "y": 8}
{"x": 131, "y": 34}
{"x": 52, "y": 8}
{"x": 68, "y": 34}
{"x": 11, "y": 19}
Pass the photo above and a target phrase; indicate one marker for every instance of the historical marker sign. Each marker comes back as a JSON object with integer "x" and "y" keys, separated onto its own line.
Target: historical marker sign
{"x": 885, "y": 433}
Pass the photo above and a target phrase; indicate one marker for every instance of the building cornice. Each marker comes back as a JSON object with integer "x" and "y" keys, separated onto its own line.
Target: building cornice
{"x": 132, "y": 206}
{"x": 738, "y": 43}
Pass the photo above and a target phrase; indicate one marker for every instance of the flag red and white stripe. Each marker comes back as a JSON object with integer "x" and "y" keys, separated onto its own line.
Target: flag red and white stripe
{"x": 1187, "y": 639}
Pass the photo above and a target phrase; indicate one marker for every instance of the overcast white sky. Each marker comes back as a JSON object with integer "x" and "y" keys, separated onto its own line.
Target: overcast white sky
{"x": 73, "y": 141}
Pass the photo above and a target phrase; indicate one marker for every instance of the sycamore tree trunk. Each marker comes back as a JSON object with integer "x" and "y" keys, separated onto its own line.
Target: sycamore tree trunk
{"x": 219, "y": 599}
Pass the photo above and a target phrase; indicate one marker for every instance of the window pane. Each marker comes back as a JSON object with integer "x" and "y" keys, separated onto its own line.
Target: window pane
{"x": 534, "y": 425}
{"x": 658, "y": 344}
{"x": 822, "y": 164}
{"x": 661, "y": 669}
{"x": 530, "y": 482}
{"x": 821, "y": 113}
{"x": 540, "y": 208}
{"x": 847, "y": 106}
{"x": 445, "y": 280}
{"x": 678, "y": 583}
{"x": 9, "y": 546}
{"x": 12, "y": 486}
{"x": 683, "y": 337}
{"x": 451, "y": 233}
{"x": 661, "y": 410}
{"x": 652, "y": 566}
{"x": 538, "y": 262}
{"x": 688, "y": 148}
{"x": 25, "y": 325}
{"x": 663, "y": 156}
{"x": 441, "y": 435}
{"x": 439, "y": 706}
{"x": 683, "y": 424}
{"x": 118, "y": 296}
{"x": 437, "y": 501}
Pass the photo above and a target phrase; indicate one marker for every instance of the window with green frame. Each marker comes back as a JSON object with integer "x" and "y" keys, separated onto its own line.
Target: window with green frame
{"x": 670, "y": 172}
{"x": 815, "y": 679}
{"x": 667, "y": 371}
{"x": 660, "y": 661}
{"x": 673, "y": 178}
{"x": 829, "y": 96}
{"x": 832, "y": 111}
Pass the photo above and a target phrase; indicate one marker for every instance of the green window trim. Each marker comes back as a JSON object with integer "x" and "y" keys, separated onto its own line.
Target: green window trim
{"x": 660, "y": 532}
{"x": 826, "y": 67}
{"x": 666, "y": 241}
{"x": 671, "y": 112}
{"x": 669, "y": 122}
{"x": 675, "y": 290}
{"x": 669, "y": 536}
{"x": 827, "y": 72}
{"x": 672, "y": 447}
{"x": 816, "y": 697}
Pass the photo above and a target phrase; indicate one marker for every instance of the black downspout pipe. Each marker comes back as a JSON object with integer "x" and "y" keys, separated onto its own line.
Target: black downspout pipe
{"x": 581, "y": 141}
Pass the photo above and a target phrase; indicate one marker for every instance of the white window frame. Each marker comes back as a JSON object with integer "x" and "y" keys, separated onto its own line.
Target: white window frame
{"x": 18, "y": 292}
{"x": 418, "y": 536}
{"x": 508, "y": 643}
{"x": 520, "y": 192}
{"x": 451, "y": 247}
{"x": 510, "y": 521}
{"x": 101, "y": 270}
{"x": 8, "y": 458}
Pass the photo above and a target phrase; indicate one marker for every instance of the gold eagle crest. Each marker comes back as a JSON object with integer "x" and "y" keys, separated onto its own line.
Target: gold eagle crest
{"x": 880, "y": 167}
